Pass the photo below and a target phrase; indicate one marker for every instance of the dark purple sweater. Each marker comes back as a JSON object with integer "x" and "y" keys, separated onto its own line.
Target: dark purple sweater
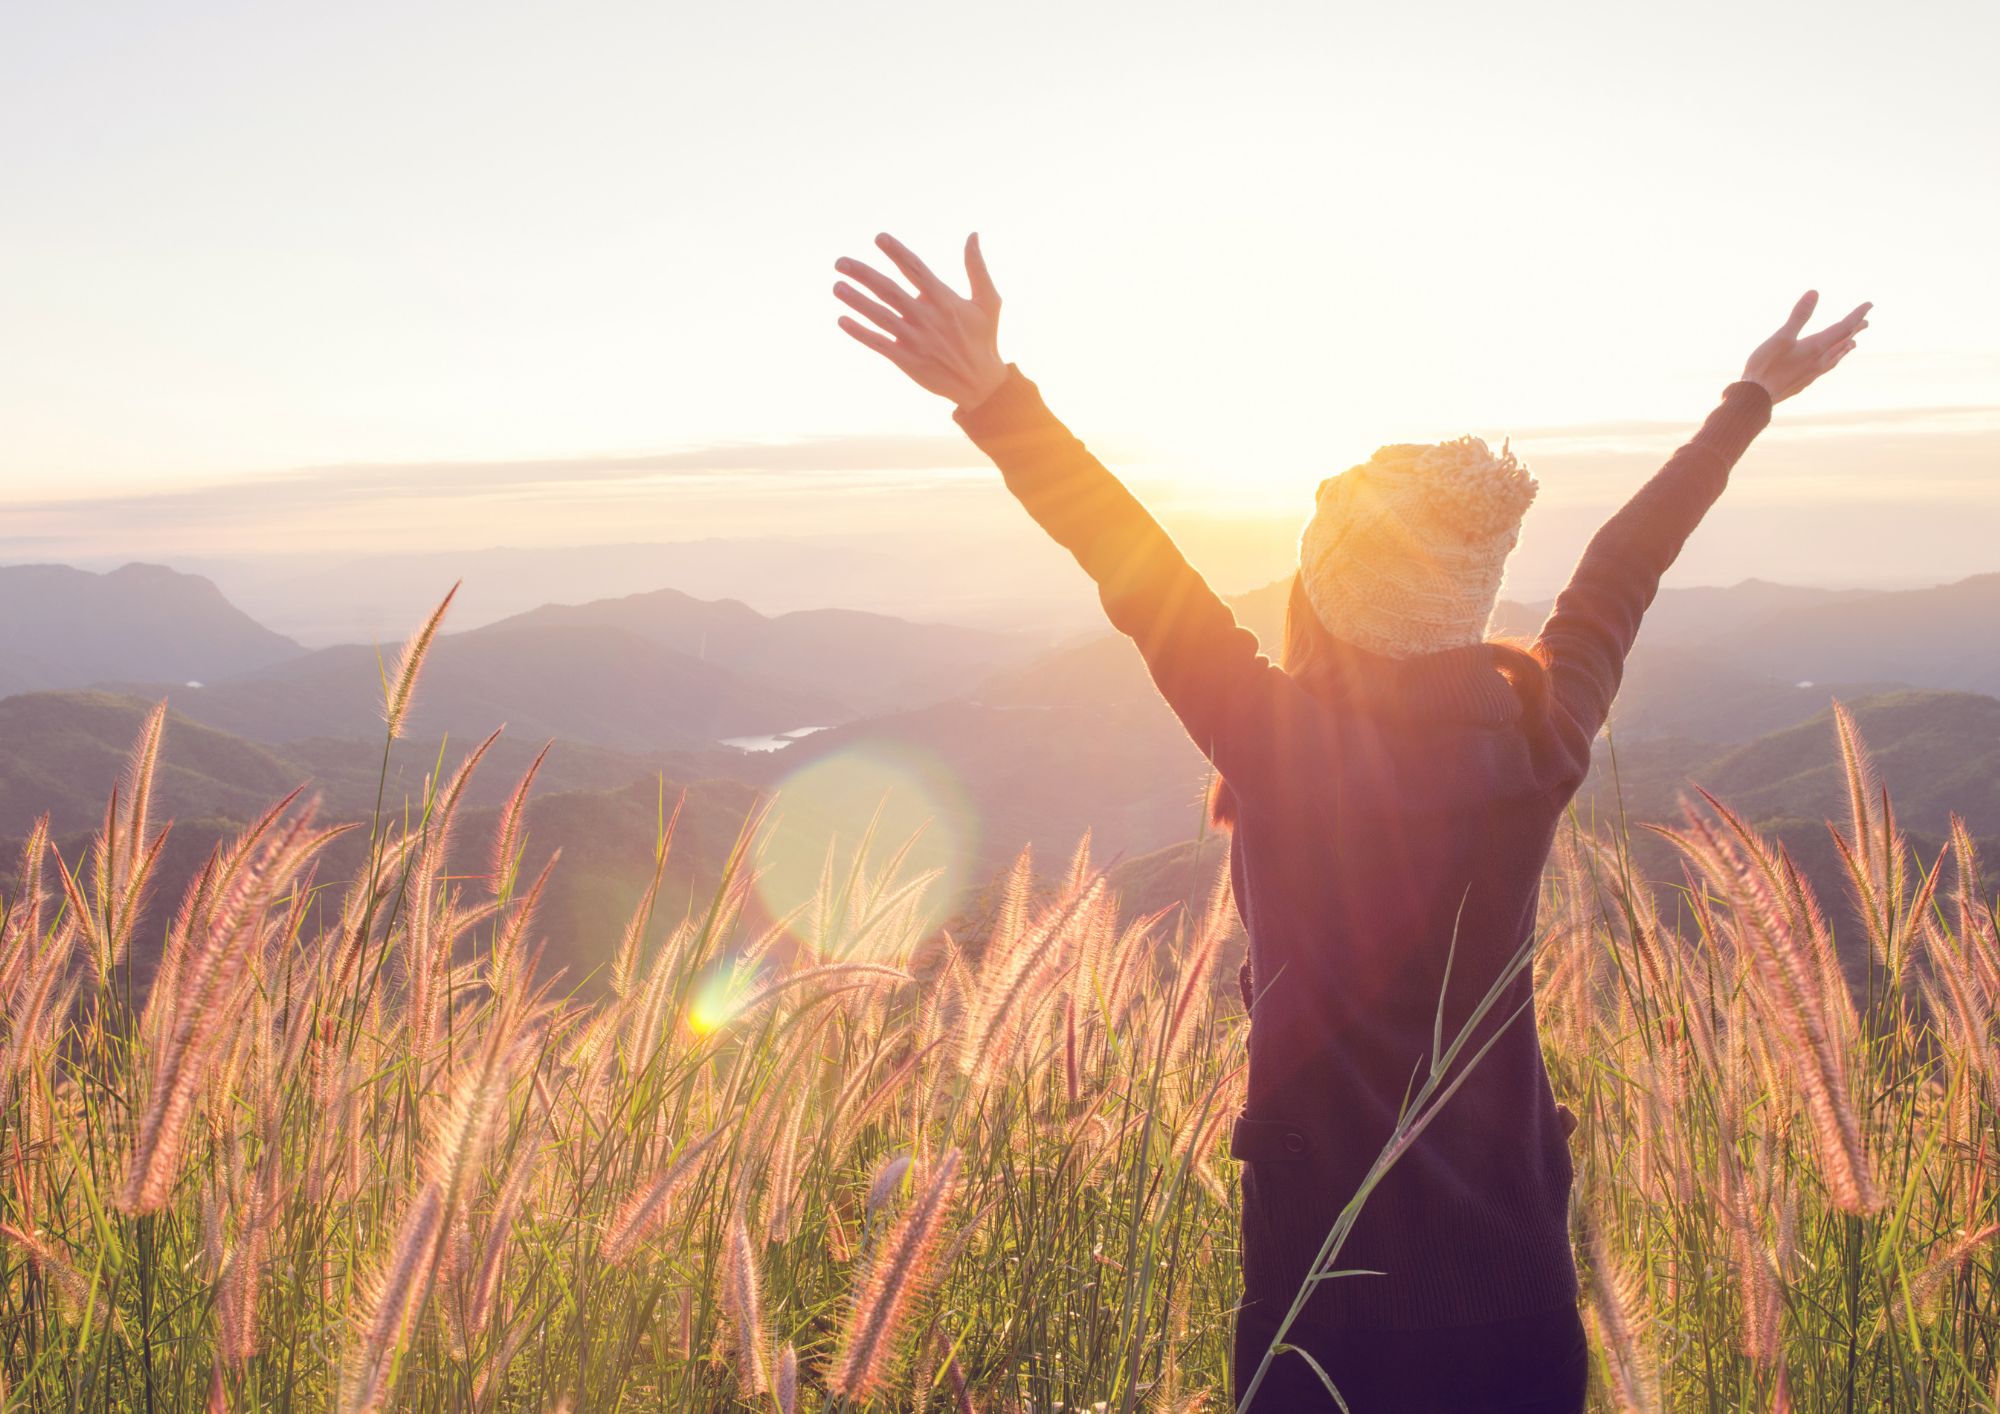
{"x": 1367, "y": 827}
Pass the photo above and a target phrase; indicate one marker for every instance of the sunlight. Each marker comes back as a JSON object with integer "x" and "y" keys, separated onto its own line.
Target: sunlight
{"x": 714, "y": 1005}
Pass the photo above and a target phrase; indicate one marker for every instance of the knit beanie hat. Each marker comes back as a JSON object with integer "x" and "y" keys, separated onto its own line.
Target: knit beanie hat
{"x": 1404, "y": 553}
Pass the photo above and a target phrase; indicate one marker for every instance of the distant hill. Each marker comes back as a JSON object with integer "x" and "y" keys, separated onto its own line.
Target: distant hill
{"x": 1040, "y": 775}
{"x": 1938, "y": 753}
{"x": 1720, "y": 663}
{"x": 63, "y": 627}
{"x": 1676, "y": 690}
{"x": 871, "y": 661}
{"x": 1105, "y": 669}
{"x": 594, "y": 684}
{"x": 62, "y": 753}
{"x": 1698, "y": 614}
{"x": 1947, "y": 637}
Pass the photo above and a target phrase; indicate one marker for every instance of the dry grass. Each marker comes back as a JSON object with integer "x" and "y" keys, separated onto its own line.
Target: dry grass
{"x": 349, "y": 1155}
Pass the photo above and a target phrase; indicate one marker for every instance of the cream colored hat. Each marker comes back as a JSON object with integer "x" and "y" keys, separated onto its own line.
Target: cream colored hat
{"x": 1404, "y": 553}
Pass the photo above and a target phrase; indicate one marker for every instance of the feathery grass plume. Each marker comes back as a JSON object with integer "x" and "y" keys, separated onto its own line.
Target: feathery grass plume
{"x": 121, "y": 859}
{"x": 1914, "y": 1304}
{"x": 1976, "y": 922}
{"x": 492, "y": 1373}
{"x": 1956, "y": 1002}
{"x": 1017, "y": 978}
{"x": 651, "y": 1023}
{"x": 455, "y": 1260}
{"x": 888, "y": 1178}
{"x": 1200, "y": 1126}
{"x": 36, "y": 1007}
{"x": 505, "y": 858}
{"x": 454, "y": 1158}
{"x": 742, "y": 1304}
{"x": 625, "y": 961}
{"x": 825, "y": 976}
{"x": 894, "y": 1282}
{"x": 1198, "y": 967}
{"x": 393, "y": 1304}
{"x": 21, "y": 919}
{"x": 1793, "y": 1001}
{"x": 943, "y": 1002}
{"x": 261, "y": 862}
{"x": 1758, "y": 1285}
{"x": 77, "y": 1295}
{"x": 781, "y": 1179}
{"x": 1615, "y": 1313}
{"x": 431, "y": 923}
{"x": 846, "y": 1123}
{"x": 508, "y": 970}
{"x": 788, "y": 1380}
{"x": 641, "y": 1212}
{"x": 924, "y": 1376}
{"x": 236, "y": 1298}
{"x": 485, "y": 1275}
{"x": 1875, "y": 854}
{"x": 961, "y": 1390}
{"x": 399, "y": 688}
{"x": 1117, "y": 993}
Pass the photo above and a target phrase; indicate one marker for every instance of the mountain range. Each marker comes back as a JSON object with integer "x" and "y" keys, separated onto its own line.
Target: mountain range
{"x": 649, "y": 672}
{"x": 1000, "y": 741}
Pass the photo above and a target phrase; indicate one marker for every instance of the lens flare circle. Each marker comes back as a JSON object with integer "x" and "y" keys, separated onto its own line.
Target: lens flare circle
{"x": 905, "y": 792}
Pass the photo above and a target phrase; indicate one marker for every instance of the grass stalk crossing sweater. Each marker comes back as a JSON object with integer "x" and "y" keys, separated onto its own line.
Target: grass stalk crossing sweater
{"x": 1374, "y": 822}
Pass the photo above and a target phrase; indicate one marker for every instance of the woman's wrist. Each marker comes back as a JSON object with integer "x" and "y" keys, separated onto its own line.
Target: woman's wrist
{"x": 984, "y": 385}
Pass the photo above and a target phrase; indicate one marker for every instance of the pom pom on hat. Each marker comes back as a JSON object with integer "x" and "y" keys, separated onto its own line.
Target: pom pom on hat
{"x": 1470, "y": 489}
{"x": 1405, "y": 552}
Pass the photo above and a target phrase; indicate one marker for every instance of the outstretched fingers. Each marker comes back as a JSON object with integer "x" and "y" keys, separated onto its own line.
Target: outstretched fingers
{"x": 977, "y": 276}
{"x": 882, "y": 345}
{"x": 1801, "y": 312}
{"x": 1844, "y": 331}
{"x": 914, "y": 270}
{"x": 887, "y": 319}
{"x": 878, "y": 284}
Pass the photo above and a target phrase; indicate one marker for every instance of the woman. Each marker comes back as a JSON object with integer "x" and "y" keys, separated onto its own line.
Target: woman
{"x": 1393, "y": 792}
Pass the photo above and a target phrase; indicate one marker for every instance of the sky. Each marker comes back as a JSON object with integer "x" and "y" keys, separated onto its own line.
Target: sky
{"x": 285, "y": 278}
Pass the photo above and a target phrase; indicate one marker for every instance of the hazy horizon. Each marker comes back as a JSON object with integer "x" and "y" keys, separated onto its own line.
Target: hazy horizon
{"x": 914, "y": 527}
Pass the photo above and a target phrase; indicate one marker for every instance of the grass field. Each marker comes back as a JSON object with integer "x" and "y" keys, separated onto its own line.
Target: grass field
{"x": 348, "y": 1154}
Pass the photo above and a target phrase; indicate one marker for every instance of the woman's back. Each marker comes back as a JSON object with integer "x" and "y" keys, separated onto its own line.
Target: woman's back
{"x": 1389, "y": 818}
{"x": 1392, "y": 816}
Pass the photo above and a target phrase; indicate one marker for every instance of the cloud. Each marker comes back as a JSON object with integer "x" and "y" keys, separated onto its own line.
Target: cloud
{"x": 719, "y": 488}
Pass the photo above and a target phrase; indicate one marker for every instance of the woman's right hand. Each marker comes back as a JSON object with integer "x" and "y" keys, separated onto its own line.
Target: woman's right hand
{"x": 947, "y": 344}
{"x": 1785, "y": 365}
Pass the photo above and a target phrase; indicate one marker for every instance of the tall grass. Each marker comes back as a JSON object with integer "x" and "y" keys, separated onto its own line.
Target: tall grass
{"x": 1783, "y": 1163}
{"x": 349, "y": 1153}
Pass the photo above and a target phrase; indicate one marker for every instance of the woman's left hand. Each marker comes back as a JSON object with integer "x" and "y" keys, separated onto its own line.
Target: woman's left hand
{"x": 947, "y": 344}
{"x": 1786, "y": 365}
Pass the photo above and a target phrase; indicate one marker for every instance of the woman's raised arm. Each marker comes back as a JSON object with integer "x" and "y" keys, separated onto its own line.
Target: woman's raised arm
{"x": 1209, "y": 670}
{"x": 1596, "y": 617}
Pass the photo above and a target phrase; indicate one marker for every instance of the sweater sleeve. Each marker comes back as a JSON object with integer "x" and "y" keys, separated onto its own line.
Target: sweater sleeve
{"x": 1595, "y": 619}
{"x": 1207, "y": 667}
